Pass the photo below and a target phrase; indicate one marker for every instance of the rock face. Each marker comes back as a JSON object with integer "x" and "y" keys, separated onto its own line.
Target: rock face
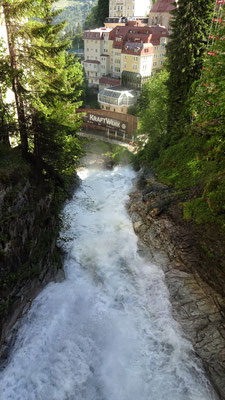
{"x": 29, "y": 257}
{"x": 195, "y": 285}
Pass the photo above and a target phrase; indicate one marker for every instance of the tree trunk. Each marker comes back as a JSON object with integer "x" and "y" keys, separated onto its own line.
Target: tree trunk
{"x": 16, "y": 84}
{"x": 4, "y": 132}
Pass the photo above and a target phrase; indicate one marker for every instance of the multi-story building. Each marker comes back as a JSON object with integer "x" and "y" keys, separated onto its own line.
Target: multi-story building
{"x": 131, "y": 52}
{"x": 160, "y": 13}
{"x": 96, "y": 54}
{"x": 129, "y": 8}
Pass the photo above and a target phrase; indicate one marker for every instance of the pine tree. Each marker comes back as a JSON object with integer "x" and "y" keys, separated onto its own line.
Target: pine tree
{"x": 47, "y": 84}
{"x": 14, "y": 15}
{"x": 208, "y": 99}
{"x": 190, "y": 27}
{"x": 103, "y": 11}
{"x": 56, "y": 79}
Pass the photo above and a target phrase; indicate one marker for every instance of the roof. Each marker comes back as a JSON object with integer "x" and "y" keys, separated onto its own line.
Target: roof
{"x": 110, "y": 81}
{"x": 96, "y": 34}
{"x": 117, "y": 91}
{"x": 163, "y": 6}
{"x": 92, "y": 61}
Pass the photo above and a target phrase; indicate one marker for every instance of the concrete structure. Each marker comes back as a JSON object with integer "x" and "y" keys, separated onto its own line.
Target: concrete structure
{"x": 129, "y": 8}
{"x": 116, "y": 125}
{"x": 160, "y": 13}
{"x": 117, "y": 99}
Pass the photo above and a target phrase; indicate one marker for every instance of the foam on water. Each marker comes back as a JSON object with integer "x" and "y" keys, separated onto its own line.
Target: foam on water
{"x": 106, "y": 332}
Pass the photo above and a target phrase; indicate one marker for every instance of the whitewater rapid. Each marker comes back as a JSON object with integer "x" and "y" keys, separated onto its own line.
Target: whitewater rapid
{"x": 107, "y": 331}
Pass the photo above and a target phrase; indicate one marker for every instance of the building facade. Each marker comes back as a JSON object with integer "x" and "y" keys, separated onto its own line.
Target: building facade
{"x": 129, "y": 8}
{"x": 130, "y": 53}
{"x": 160, "y": 13}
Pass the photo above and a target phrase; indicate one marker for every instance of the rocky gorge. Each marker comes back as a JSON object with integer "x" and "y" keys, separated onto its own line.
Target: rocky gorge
{"x": 29, "y": 257}
{"x": 193, "y": 264}
{"x": 192, "y": 260}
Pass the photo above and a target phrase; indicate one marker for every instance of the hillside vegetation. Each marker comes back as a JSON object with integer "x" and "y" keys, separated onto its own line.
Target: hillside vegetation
{"x": 74, "y": 12}
{"x": 182, "y": 114}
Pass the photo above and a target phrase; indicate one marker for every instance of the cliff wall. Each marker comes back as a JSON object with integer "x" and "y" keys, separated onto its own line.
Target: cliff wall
{"x": 29, "y": 257}
{"x": 193, "y": 262}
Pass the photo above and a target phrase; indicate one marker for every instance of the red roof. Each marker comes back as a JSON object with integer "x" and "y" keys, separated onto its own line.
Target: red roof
{"x": 109, "y": 81}
{"x": 163, "y": 6}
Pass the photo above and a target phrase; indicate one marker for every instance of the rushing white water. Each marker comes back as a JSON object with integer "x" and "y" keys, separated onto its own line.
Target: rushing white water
{"x": 106, "y": 332}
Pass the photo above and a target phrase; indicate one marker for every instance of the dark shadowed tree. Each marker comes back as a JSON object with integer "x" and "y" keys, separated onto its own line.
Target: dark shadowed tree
{"x": 190, "y": 28}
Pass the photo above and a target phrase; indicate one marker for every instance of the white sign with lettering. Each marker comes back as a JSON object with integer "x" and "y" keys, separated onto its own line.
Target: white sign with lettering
{"x": 105, "y": 121}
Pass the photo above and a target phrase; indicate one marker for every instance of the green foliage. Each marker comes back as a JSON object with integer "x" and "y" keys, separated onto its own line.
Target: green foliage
{"x": 91, "y": 21}
{"x": 190, "y": 154}
{"x": 97, "y": 15}
{"x": 74, "y": 13}
{"x": 119, "y": 155}
{"x": 198, "y": 211}
{"x": 47, "y": 83}
{"x": 152, "y": 112}
{"x": 13, "y": 169}
{"x": 190, "y": 27}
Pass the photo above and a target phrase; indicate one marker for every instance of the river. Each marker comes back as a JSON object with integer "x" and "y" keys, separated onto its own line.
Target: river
{"x": 106, "y": 332}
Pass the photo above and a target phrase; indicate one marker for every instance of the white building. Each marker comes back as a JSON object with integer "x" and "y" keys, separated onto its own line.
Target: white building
{"x": 129, "y": 8}
{"x": 117, "y": 99}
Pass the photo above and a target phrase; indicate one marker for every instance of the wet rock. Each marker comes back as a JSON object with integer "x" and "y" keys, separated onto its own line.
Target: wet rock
{"x": 195, "y": 289}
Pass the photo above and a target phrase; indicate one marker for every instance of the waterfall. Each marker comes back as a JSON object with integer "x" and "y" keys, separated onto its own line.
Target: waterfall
{"x": 106, "y": 332}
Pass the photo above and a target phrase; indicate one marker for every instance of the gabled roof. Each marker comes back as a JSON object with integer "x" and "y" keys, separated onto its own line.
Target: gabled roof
{"x": 163, "y": 6}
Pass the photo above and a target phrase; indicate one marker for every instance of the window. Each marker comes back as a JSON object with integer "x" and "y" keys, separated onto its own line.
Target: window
{"x": 135, "y": 58}
{"x": 125, "y": 65}
{"x": 134, "y": 66}
{"x": 156, "y": 47}
{"x": 96, "y": 50}
{"x": 162, "y": 62}
{"x": 155, "y": 55}
{"x": 87, "y": 49}
{"x": 162, "y": 54}
{"x": 154, "y": 64}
